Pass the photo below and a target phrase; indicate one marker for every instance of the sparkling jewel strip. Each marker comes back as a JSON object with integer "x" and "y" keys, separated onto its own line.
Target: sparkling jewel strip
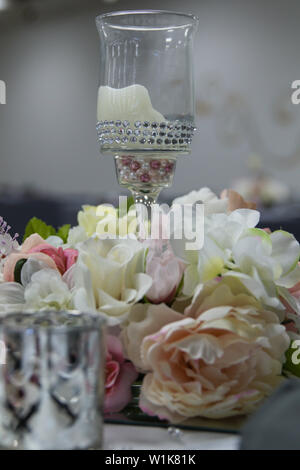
{"x": 170, "y": 133}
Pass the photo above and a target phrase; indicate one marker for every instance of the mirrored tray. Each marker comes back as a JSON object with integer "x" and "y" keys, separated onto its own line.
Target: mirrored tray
{"x": 132, "y": 415}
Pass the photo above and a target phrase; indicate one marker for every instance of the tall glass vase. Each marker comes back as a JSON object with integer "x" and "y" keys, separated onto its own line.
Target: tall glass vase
{"x": 146, "y": 96}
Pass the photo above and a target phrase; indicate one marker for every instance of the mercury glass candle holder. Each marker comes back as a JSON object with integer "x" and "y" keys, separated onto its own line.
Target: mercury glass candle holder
{"x": 146, "y": 96}
{"x": 51, "y": 381}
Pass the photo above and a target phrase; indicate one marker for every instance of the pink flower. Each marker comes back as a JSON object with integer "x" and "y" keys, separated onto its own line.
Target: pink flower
{"x": 63, "y": 259}
{"x": 35, "y": 247}
{"x": 166, "y": 271}
{"x": 120, "y": 375}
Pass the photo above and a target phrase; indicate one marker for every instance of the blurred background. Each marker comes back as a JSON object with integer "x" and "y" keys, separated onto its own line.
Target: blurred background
{"x": 246, "y": 58}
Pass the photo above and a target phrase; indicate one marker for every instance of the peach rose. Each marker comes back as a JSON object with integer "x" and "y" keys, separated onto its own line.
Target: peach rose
{"x": 143, "y": 320}
{"x": 236, "y": 201}
{"x": 35, "y": 247}
{"x": 220, "y": 360}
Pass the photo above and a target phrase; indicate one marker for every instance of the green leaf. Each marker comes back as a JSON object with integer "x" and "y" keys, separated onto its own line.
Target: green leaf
{"x": 63, "y": 232}
{"x": 18, "y": 268}
{"x": 36, "y": 225}
{"x": 130, "y": 202}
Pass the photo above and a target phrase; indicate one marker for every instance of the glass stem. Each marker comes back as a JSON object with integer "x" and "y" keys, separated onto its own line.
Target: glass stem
{"x": 143, "y": 200}
{"x": 146, "y": 197}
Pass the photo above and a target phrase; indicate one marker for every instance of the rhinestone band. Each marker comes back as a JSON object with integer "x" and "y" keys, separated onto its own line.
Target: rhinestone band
{"x": 171, "y": 133}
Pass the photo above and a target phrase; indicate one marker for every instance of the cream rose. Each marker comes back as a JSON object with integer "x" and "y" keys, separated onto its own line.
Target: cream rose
{"x": 109, "y": 277}
{"x": 221, "y": 360}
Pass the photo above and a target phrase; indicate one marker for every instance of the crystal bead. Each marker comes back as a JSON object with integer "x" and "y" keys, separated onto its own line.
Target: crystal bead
{"x": 145, "y": 178}
{"x": 155, "y": 164}
{"x": 167, "y": 141}
{"x": 125, "y": 123}
{"x": 174, "y": 141}
{"x": 162, "y": 125}
{"x": 133, "y": 139}
{"x": 142, "y": 141}
{"x": 162, "y": 134}
{"x": 151, "y": 141}
{"x": 154, "y": 125}
{"x": 145, "y": 166}
{"x": 159, "y": 141}
{"x": 137, "y": 132}
{"x": 125, "y": 140}
{"x": 129, "y": 131}
{"x": 133, "y": 176}
{"x": 118, "y": 123}
{"x": 146, "y": 124}
{"x": 126, "y": 161}
{"x": 135, "y": 166}
{"x": 137, "y": 123}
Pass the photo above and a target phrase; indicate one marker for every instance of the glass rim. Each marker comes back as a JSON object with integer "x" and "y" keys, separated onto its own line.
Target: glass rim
{"x": 96, "y": 321}
{"x": 194, "y": 20}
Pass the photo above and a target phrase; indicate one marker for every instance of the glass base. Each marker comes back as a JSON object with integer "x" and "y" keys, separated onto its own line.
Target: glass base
{"x": 145, "y": 175}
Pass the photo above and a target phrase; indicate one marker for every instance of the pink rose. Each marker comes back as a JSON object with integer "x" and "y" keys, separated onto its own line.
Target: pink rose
{"x": 166, "y": 271}
{"x": 63, "y": 259}
{"x": 35, "y": 247}
{"x": 120, "y": 375}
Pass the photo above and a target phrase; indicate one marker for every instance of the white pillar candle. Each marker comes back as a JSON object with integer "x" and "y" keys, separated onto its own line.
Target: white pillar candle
{"x": 131, "y": 103}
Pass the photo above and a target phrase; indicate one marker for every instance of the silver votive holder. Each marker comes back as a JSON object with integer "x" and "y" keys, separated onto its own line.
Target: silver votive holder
{"x": 51, "y": 380}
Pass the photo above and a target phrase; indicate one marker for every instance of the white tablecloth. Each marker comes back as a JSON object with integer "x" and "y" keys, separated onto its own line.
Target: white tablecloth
{"x": 123, "y": 437}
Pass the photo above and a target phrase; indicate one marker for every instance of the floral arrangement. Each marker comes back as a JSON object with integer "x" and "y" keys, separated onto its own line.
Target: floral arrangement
{"x": 211, "y": 330}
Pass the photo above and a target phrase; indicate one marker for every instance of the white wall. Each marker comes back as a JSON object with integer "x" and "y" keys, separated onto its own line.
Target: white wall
{"x": 247, "y": 55}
